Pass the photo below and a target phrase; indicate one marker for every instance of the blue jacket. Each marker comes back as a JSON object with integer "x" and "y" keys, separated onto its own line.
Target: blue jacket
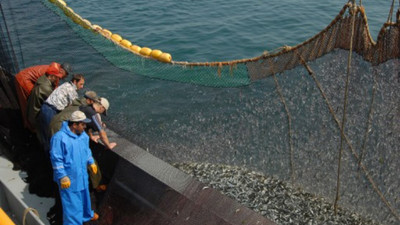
{"x": 70, "y": 155}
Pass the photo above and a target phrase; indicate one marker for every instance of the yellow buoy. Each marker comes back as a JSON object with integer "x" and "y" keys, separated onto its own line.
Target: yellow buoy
{"x": 68, "y": 8}
{"x": 126, "y": 43}
{"x": 145, "y": 51}
{"x": 156, "y": 53}
{"x": 165, "y": 57}
{"x": 96, "y": 27}
{"x": 106, "y": 33}
{"x": 87, "y": 22}
{"x": 116, "y": 37}
{"x": 135, "y": 48}
{"x": 68, "y": 11}
{"x": 62, "y": 2}
{"x": 76, "y": 19}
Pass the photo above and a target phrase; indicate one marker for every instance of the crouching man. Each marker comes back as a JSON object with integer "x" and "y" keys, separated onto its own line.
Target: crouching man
{"x": 70, "y": 157}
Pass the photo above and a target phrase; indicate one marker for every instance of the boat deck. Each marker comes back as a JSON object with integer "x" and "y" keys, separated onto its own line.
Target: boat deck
{"x": 15, "y": 198}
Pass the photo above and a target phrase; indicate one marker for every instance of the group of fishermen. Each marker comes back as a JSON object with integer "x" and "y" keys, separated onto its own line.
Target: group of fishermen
{"x": 64, "y": 123}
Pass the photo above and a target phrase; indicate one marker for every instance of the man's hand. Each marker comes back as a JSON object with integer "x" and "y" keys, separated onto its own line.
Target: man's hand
{"x": 65, "y": 182}
{"x": 95, "y": 138}
{"x": 94, "y": 168}
{"x": 112, "y": 145}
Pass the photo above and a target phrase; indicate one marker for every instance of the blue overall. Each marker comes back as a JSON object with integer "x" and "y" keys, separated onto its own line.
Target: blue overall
{"x": 70, "y": 156}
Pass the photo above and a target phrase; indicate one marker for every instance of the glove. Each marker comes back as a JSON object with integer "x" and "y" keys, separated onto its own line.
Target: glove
{"x": 65, "y": 182}
{"x": 94, "y": 168}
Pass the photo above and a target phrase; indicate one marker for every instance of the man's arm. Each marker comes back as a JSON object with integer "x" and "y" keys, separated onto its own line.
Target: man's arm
{"x": 104, "y": 139}
{"x": 102, "y": 133}
{"x": 56, "y": 157}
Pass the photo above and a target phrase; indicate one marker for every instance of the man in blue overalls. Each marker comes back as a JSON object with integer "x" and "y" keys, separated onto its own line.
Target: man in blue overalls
{"x": 70, "y": 157}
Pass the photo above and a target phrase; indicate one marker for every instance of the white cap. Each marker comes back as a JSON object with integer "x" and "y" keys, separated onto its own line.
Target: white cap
{"x": 104, "y": 102}
{"x": 79, "y": 116}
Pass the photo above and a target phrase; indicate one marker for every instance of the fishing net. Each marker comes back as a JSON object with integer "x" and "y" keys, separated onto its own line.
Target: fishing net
{"x": 338, "y": 35}
{"x": 323, "y": 114}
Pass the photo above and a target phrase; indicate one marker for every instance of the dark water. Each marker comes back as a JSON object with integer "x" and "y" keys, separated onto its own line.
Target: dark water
{"x": 244, "y": 126}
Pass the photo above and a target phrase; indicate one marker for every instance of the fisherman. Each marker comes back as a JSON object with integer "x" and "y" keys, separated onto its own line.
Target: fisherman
{"x": 42, "y": 89}
{"x": 61, "y": 97}
{"x": 26, "y": 79}
{"x": 70, "y": 157}
{"x": 55, "y": 213}
{"x": 93, "y": 112}
{"x": 89, "y": 98}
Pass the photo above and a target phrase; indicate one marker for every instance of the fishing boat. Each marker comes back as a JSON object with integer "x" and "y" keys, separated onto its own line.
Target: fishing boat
{"x": 147, "y": 190}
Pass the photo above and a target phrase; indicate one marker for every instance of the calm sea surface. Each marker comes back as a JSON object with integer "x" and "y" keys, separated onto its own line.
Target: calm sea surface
{"x": 215, "y": 30}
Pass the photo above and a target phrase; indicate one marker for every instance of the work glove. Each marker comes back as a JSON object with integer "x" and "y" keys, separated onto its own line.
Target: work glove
{"x": 94, "y": 168}
{"x": 65, "y": 182}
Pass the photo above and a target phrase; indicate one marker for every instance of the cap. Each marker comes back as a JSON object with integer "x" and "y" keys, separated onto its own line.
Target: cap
{"x": 67, "y": 67}
{"x": 54, "y": 69}
{"x": 105, "y": 104}
{"x": 79, "y": 116}
{"x": 91, "y": 95}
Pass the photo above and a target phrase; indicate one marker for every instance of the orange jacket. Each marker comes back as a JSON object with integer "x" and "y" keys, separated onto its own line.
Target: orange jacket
{"x": 27, "y": 78}
{"x": 24, "y": 82}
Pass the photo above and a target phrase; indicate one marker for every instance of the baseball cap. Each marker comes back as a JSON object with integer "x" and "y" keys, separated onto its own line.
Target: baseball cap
{"x": 104, "y": 102}
{"x": 67, "y": 67}
{"x": 79, "y": 116}
{"x": 91, "y": 95}
{"x": 54, "y": 69}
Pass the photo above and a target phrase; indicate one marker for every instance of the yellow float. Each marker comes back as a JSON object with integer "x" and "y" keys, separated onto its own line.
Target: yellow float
{"x": 116, "y": 37}
{"x": 96, "y": 27}
{"x": 145, "y": 51}
{"x": 165, "y": 57}
{"x": 126, "y": 43}
{"x": 135, "y": 48}
{"x": 62, "y": 2}
{"x": 76, "y": 19}
{"x": 87, "y": 22}
{"x": 68, "y": 11}
{"x": 156, "y": 53}
{"x": 106, "y": 33}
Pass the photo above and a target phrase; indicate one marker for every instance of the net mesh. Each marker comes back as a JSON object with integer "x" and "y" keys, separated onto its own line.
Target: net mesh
{"x": 291, "y": 122}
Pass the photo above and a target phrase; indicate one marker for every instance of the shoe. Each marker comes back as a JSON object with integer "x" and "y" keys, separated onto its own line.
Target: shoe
{"x": 101, "y": 187}
{"x": 95, "y": 217}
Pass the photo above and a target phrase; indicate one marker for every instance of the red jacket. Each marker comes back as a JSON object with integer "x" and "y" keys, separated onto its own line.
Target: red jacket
{"x": 24, "y": 82}
{"x": 27, "y": 78}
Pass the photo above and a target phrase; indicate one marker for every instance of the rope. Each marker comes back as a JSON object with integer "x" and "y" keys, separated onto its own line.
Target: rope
{"x": 354, "y": 153}
{"x": 289, "y": 118}
{"x": 389, "y": 19}
{"x": 370, "y": 112}
{"x": 346, "y": 92}
{"x": 27, "y": 210}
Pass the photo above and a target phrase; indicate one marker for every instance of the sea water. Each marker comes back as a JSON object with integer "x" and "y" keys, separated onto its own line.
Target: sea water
{"x": 218, "y": 30}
